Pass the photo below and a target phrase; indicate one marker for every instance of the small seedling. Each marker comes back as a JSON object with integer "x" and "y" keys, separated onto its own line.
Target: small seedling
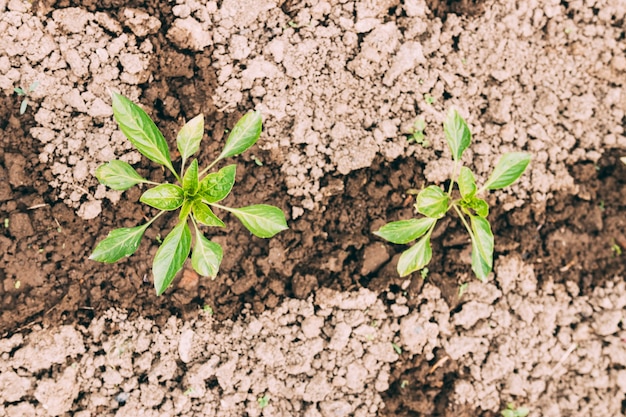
{"x": 263, "y": 401}
{"x": 617, "y": 249}
{"x": 207, "y": 309}
{"x": 397, "y": 348}
{"x": 433, "y": 202}
{"x": 24, "y": 93}
{"x": 418, "y": 133}
{"x": 429, "y": 99}
{"x": 463, "y": 288}
{"x": 6, "y": 222}
{"x": 512, "y": 411}
{"x": 195, "y": 194}
{"x": 424, "y": 273}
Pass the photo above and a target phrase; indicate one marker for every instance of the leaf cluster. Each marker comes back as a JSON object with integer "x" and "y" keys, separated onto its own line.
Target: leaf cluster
{"x": 434, "y": 203}
{"x": 195, "y": 194}
{"x": 21, "y": 92}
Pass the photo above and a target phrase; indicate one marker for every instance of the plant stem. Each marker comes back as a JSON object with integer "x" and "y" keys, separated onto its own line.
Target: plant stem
{"x": 228, "y": 209}
{"x": 467, "y": 226}
{"x": 452, "y": 177}
{"x": 155, "y": 217}
{"x": 204, "y": 171}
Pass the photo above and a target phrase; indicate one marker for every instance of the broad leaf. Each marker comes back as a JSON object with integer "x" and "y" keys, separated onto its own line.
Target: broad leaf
{"x": 476, "y": 205}
{"x": 206, "y": 256}
{"x": 118, "y": 175}
{"x": 171, "y": 256}
{"x": 216, "y": 186}
{"x": 510, "y": 167}
{"x": 190, "y": 180}
{"x": 404, "y": 231}
{"x": 190, "y": 136}
{"x": 118, "y": 244}
{"x": 164, "y": 197}
{"x": 261, "y": 220}
{"x": 482, "y": 247}
{"x": 141, "y": 130}
{"x": 203, "y": 214}
{"x": 467, "y": 183}
{"x": 457, "y": 134}
{"x": 416, "y": 257}
{"x": 432, "y": 202}
{"x": 245, "y": 134}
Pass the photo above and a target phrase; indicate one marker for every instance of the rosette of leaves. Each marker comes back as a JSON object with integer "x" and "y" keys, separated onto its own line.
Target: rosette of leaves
{"x": 433, "y": 203}
{"x": 195, "y": 194}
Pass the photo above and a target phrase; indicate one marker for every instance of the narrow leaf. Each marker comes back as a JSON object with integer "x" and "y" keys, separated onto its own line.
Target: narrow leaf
{"x": 171, "y": 256}
{"x": 432, "y": 202}
{"x": 20, "y": 91}
{"x": 467, "y": 183}
{"x": 509, "y": 168}
{"x": 164, "y": 197}
{"x": 216, "y": 186}
{"x": 185, "y": 209}
{"x": 141, "y": 130}
{"x": 118, "y": 175}
{"x": 203, "y": 214}
{"x": 24, "y": 106}
{"x": 190, "y": 180}
{"x": 118, "y": 244}
{"x": 206, "y": 256}
{"x": 245, "y": 134}
{"x": 404, "y": 231}
{"x": 482, "y": 247}
{"x": 190, "y": 136}
{"x": 416, "y": 257}
{"x": 457, "y": 134}
{"x": 261, "y": 220}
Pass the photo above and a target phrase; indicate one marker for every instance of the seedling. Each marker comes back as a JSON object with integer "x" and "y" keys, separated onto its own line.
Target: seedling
{"x": 424, "y": 273}
{"x": 263, "y": 401}
{"x": 418, "y": 133}
{"x": 397, "y": 348}
{"x": 195, "y": 194}
{"x": 512, "y": 411}
{"x": 433, "y": 202}
{"x": 24, "y": 93}
{"x": 429, "y": 99}
{"x": 617, "y": 249}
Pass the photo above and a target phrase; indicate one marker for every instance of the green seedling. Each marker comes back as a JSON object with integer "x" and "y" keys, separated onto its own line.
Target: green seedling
{"x": 195, "y": 194}
{"x": 263, "y": 401}
{"x": 418, "y": 133}
{"x": 424, "y": 273}
{"x": 397, "y": 348}
{"x": 25, "y": 93}
{"x": 429, "y": 99}
{"x": 463, "y": 288}
{"x": 207, "y": 309}
{"x": 512, "y": 411}
{"x": 617, "y": 249}
{"x": 433, "y": 203}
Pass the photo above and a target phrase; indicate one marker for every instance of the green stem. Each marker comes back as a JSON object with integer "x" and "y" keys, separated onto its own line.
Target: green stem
{"x": 228, "y": 209}
{"x": 452, "y": 177}
{"x": 154, "y": 218}
{"x": 205, "y": 170}
{"x": 467, "y": 226}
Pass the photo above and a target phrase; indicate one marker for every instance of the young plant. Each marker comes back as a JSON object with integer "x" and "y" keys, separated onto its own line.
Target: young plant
{"x": 512, "y": 411}
{"x": 196, "y": 193}
{"x": 418, "y": 133}
{"x": 433, "y": 202}
{"x": 24, "y": 93}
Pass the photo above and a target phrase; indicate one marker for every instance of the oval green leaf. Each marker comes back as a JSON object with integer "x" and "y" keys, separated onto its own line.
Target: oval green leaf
{"x": 118, "y": 175}
{"x": 141, "y": 131}
{"x": 509, "y": 168}
{"x": 261, "y": 220}
{"x": 171, "y": 256}
{"x": 432, "y": 202}
{"x": 405, "y": 231}
{"x": 416, "y": 257}
{"x": 467, "y": 183}
{"x": 457, "y": 134}
{"x": 482, "y": 247}
{"x": 216, "y": 186}
{"x": 206, "y": 256}
{"x": 164, "y": 197}
{"x": 203, "y": 214}
{"x": 245, "y": 134}
{"x": 190, "y": 180}
{"x": 189, "y": 137}
{"x": 118, "y": 244}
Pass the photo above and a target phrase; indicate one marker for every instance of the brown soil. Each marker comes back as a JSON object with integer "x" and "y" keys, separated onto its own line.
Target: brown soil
{"x": 44, "y": 245}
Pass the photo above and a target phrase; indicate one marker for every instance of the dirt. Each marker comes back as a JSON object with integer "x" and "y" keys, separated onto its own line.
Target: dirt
{"x": 336, "y": 160}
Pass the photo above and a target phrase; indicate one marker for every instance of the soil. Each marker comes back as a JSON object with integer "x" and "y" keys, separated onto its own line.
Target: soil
{"x": 339, "y": 174}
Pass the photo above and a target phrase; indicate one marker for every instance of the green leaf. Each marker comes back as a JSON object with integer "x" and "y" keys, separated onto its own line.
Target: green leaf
{"x": 206, "y": 256}
{"x": 141, "y": 130}
{"x": 245, "y": 134}
{"x": 261, "y": 220}
{"x": 203, "y": 214}
{"x": 118, "y": 244}
{"x": 164, "y": 197}
{"x": 190, "y": 136}
{"x": 432, "y": 202}
{"x": 416, "y": 257}
{"x": 216, "y": 186}
{"x": 23, "y": 106}
{"x": 467, "y": 183}
{"x": 457, "y": 134}
{"x": 404, "y": 231}
{"x": 19, "y": 91}
{"x": 482, "y": 247}
{"x": 509, "y": 168}
{"x": 171, "y": 256}
{"x": 185, "y": 209}
{"x": 190, "y": 180}
{"x": 118, "y": 175}
{"x": 476, "y": 205}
